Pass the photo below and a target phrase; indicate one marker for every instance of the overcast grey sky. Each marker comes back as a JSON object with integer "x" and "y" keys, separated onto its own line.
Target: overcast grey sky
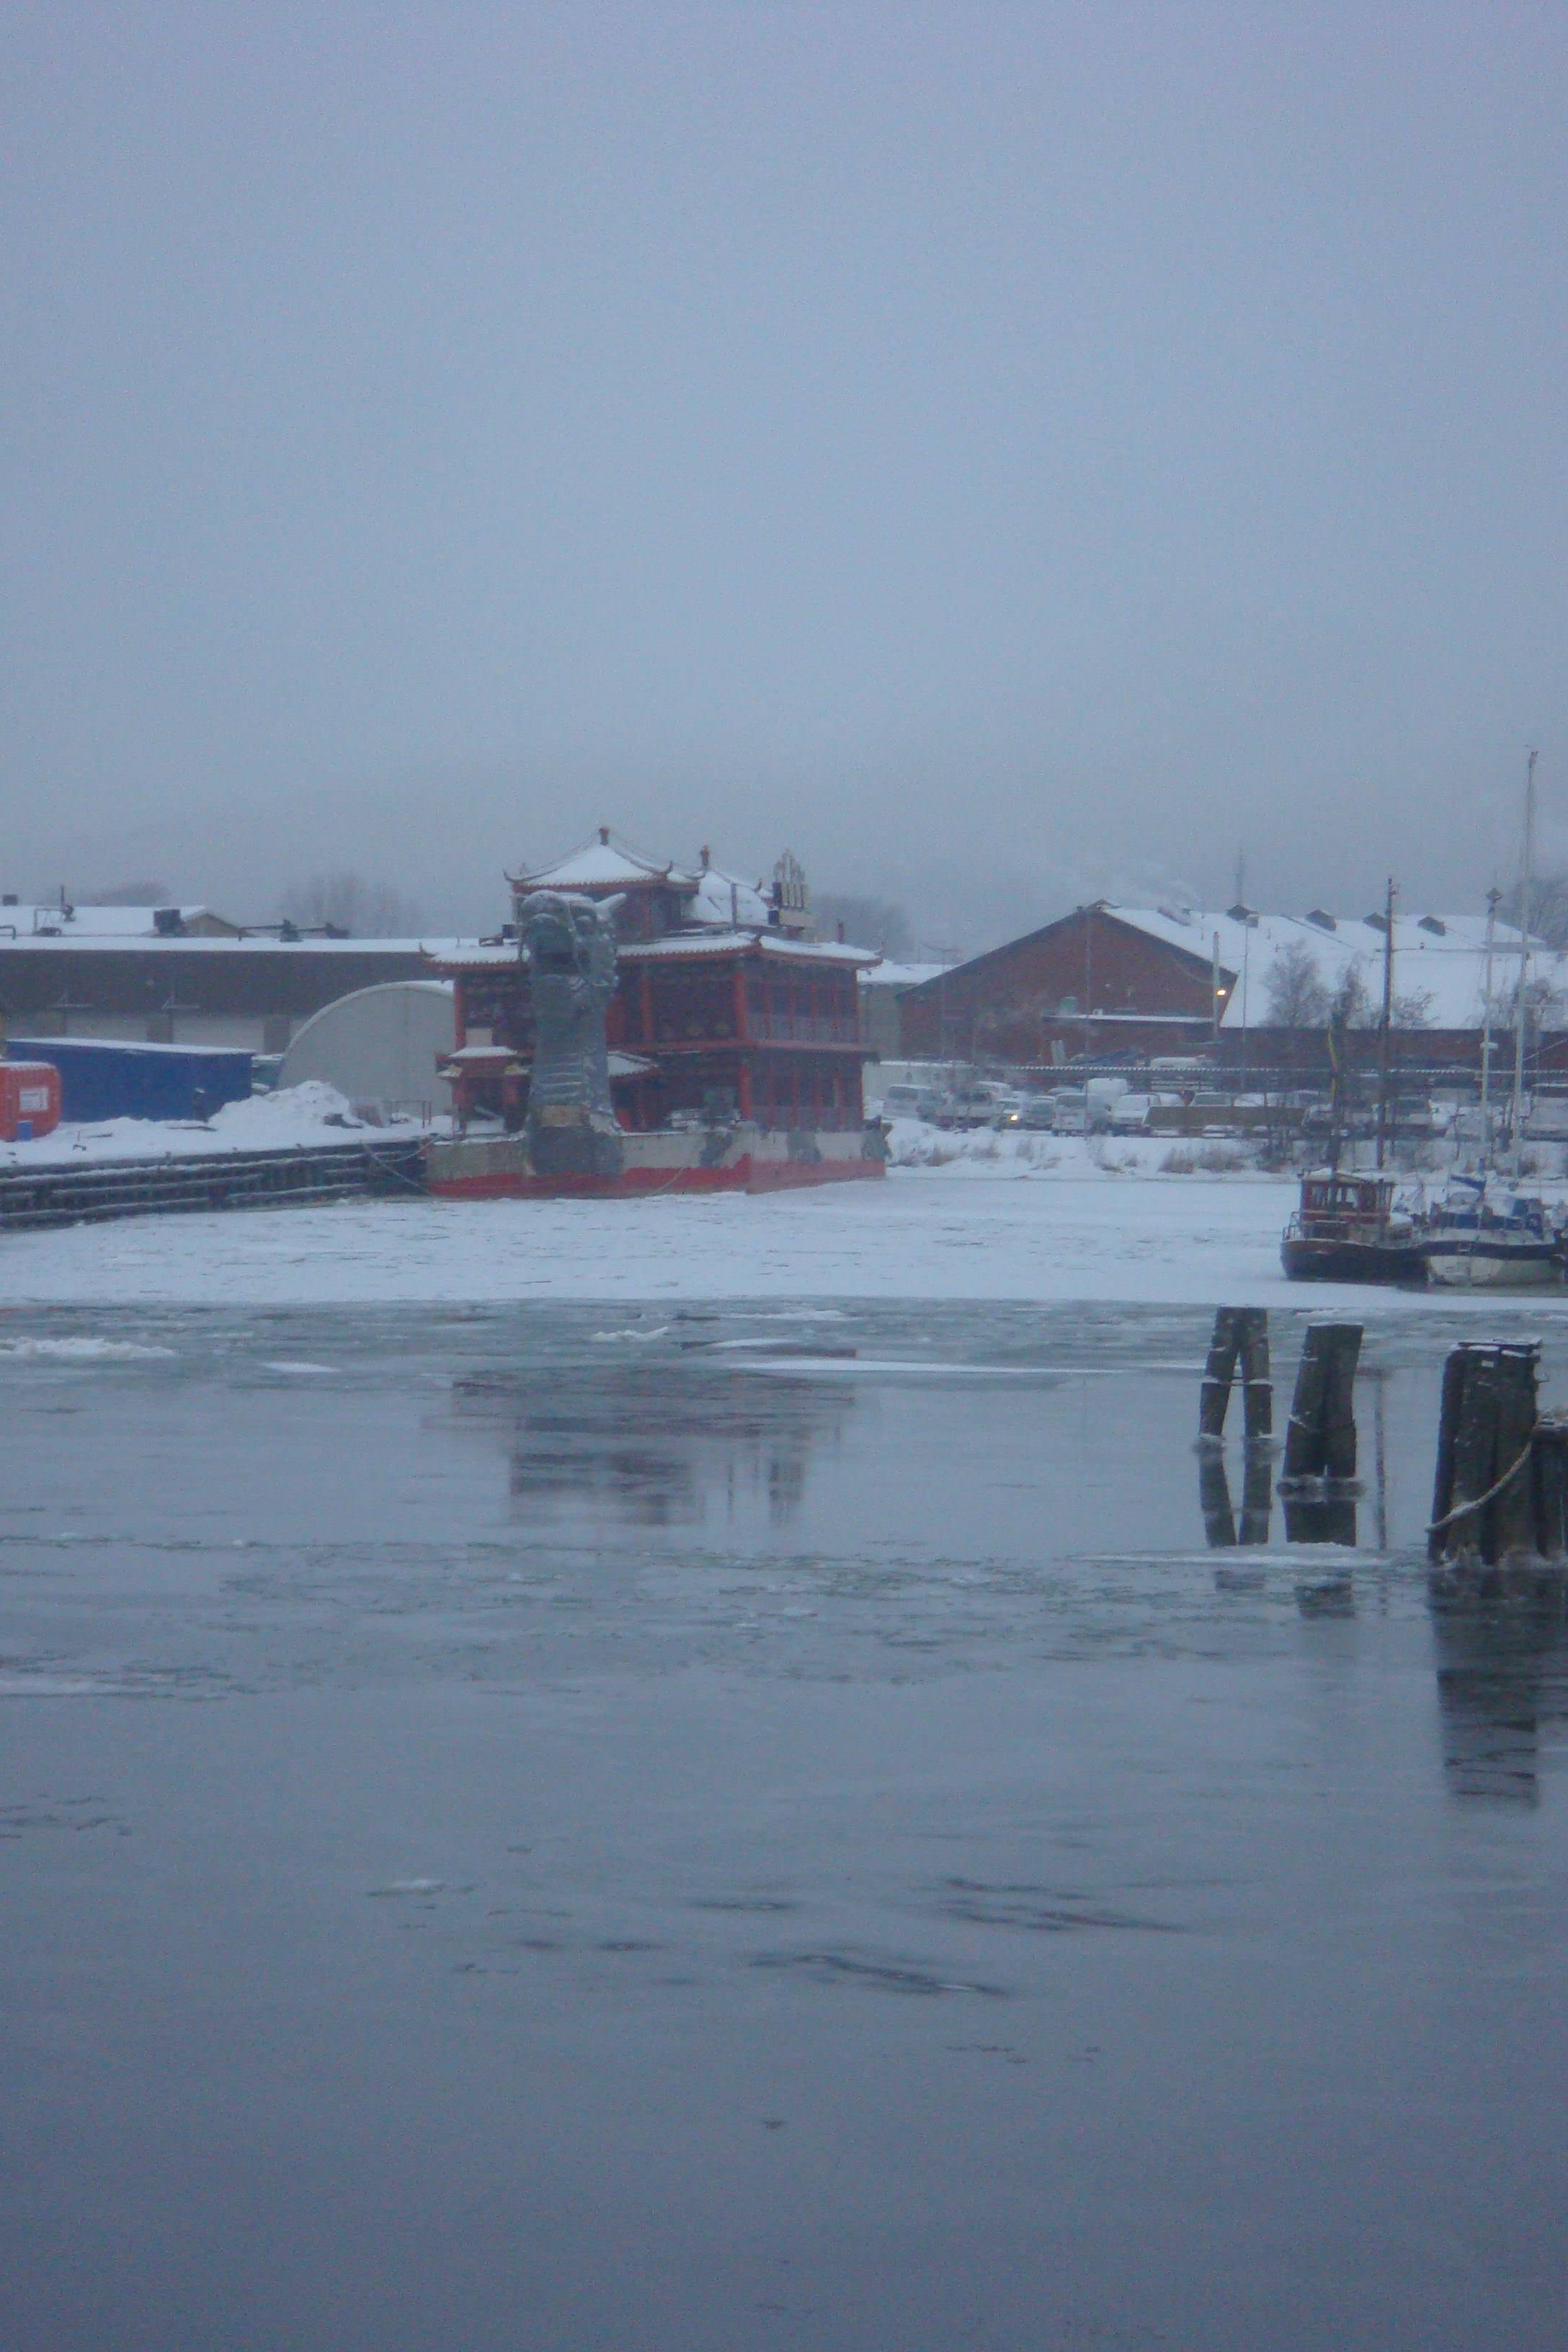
{"x": 1006, "y": 452}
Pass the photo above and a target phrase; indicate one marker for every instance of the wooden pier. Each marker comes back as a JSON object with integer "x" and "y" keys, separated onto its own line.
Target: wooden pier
{"x": 92, "y": 1190}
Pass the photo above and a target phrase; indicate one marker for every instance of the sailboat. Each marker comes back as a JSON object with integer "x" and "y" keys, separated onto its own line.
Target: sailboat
{"x": 1487, "y": 1232}
{"x": 1351, "y": 1228}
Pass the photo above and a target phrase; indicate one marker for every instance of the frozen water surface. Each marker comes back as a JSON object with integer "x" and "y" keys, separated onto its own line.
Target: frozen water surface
{"x": 709, "y": 1828}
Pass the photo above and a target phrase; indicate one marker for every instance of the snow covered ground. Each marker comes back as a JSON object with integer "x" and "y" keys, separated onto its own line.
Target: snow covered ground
{"x": 1196, "y": 1240}
{"x": 984, "y": 1151}
{"x": 981, "y": 1216}
{"x": 312, "y": 1113}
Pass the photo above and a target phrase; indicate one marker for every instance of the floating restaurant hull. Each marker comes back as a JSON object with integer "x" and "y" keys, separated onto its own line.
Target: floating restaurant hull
{"x": 742, "y": 1158}
{"x": 646, "y": 1030}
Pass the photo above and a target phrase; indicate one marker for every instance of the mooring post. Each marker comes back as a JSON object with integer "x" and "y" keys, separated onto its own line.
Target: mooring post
{"x": 1240, "y": 1342}
{"x": 1225, "y": 1348}
{"x": 1339, "y": 1401}
{"x": 1512, "y": 1513}
{"x": 1551, "y": 1486}
{"x": 1258, "y": 1394}
{"x": 1475, "y": 1457}
{"x": 1321, "y": 1439}
{"x": 1456, "y": 1369}
{"x": 1499, "y": 1481}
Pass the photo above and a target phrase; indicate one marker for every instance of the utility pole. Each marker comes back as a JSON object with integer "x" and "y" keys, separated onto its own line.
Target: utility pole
{"x": 1520, "y": 1004}
{"x": 1387, "y": 1024}
{"x": 1494, "y": 899}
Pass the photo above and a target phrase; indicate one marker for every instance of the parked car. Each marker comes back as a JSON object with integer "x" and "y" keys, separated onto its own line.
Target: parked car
{"x": 913, "y": 1102}
{"x": 983, "y": 1103}
{"x": 1136, "y": 1114}
{"x": 1037, "y": 1112}
{"x": 1071, "y": 1111}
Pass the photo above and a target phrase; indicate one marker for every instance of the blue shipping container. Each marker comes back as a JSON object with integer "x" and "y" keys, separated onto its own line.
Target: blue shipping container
{"x": 106, "y": 1077}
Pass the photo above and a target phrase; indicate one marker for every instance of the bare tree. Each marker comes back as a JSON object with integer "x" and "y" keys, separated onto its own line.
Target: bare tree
{"x": 1548, "y": 909}
{"x": 1412, "y": 1010}
{"x": 1349, "y": 1005}
{"x": 1296, "y": 996}
{"x": 867, "y": 922}
{"x": 349, "y": 904}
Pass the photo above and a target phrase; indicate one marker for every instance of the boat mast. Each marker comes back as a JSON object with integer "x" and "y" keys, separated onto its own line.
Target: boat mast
{"x": 1386, "y": 1025}
{"x": 1493, "y": 896}
{"x": 1526, "y": 861}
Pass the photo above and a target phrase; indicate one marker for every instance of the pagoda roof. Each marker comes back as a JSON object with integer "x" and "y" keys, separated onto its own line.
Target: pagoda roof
{"x": 724, "y": 899}
{"x": 602, "y": 864}
{"x": 769, "y": 943}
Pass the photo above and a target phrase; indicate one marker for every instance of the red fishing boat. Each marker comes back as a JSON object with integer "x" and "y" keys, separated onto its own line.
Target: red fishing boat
{"x": 1349, "y": 1229}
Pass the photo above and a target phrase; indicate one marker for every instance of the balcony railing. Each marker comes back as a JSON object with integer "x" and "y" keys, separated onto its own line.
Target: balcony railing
{"x": 802, "y": 1029}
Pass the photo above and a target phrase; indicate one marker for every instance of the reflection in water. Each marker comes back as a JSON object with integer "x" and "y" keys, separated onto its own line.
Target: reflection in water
{"x": 1220, "y": 1528}
{"x": 645, "y": 1449}
{"x": 1319, "y": 1515}
{"x": 1501, "y": 1639}
{"x": 1327, "y": 1596}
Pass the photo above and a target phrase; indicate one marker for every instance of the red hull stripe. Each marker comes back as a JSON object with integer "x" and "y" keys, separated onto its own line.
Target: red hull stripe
{"x": 744, "y": 1176}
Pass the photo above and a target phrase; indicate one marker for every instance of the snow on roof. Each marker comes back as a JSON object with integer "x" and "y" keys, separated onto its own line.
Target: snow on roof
{"x": 724, "y": 899}
{"x": 1442, "y": 957}
{"x": 472, "y": 955}
{"x": 601, "y": 864}
{"x": 103, "y": 922}
{"x": 136, "y": 1045}
{"x": 902, "y": 975}
{"x": 772, "y": 943}
{"x": 264, "y": 943}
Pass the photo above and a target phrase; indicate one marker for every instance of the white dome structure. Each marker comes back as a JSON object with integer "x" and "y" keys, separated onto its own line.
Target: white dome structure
{"x": 381, "y": 1045}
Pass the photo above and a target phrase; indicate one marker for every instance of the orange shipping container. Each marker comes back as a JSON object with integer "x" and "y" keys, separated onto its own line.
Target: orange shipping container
{"x": 29, "y": 1097}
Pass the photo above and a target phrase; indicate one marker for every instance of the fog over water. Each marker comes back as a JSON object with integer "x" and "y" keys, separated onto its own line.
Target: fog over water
{"x": 1004, "y": 454}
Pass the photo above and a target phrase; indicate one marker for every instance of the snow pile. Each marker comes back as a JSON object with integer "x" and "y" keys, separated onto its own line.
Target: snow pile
{"x": 1010, "y": 1152}
{"x": 292, "y": 1115}
{"x": 310, "y": 1113}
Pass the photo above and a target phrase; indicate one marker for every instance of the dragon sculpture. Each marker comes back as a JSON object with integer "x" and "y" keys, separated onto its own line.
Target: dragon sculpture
{"x": 569, "y": 945}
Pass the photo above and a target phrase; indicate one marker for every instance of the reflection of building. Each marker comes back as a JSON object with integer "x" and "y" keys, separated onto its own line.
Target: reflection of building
{"x": 645, "y": 1446}
{"x": 1501, "y": 1639}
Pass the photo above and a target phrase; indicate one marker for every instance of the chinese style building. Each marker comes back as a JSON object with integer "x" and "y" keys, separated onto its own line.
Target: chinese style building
{"x": 735, "y": 1048}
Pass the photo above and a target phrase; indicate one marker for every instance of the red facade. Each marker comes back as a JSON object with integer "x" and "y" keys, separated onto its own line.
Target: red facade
{"x": 747, "y": 1025}
{"x": 1013, "y": 1004}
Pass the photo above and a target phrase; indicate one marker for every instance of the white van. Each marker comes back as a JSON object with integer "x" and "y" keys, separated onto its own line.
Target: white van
{"x": 910, "y": 1102}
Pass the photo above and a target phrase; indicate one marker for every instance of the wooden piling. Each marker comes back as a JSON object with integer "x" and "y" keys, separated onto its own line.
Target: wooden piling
{"x": 1475, "y": 1457}
{"x": 1550, "y": 1485}
{"x": 1501, "y": 1482}
{"x": 1257, "y": 1395}
{"x": 1512, "y": 1510}
{"x": 1240, "y": 1342}
{"x": 1321, "y": 1441}
{"x": 1453, "y": 1370}
{"x": 1339, "y": 1402}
